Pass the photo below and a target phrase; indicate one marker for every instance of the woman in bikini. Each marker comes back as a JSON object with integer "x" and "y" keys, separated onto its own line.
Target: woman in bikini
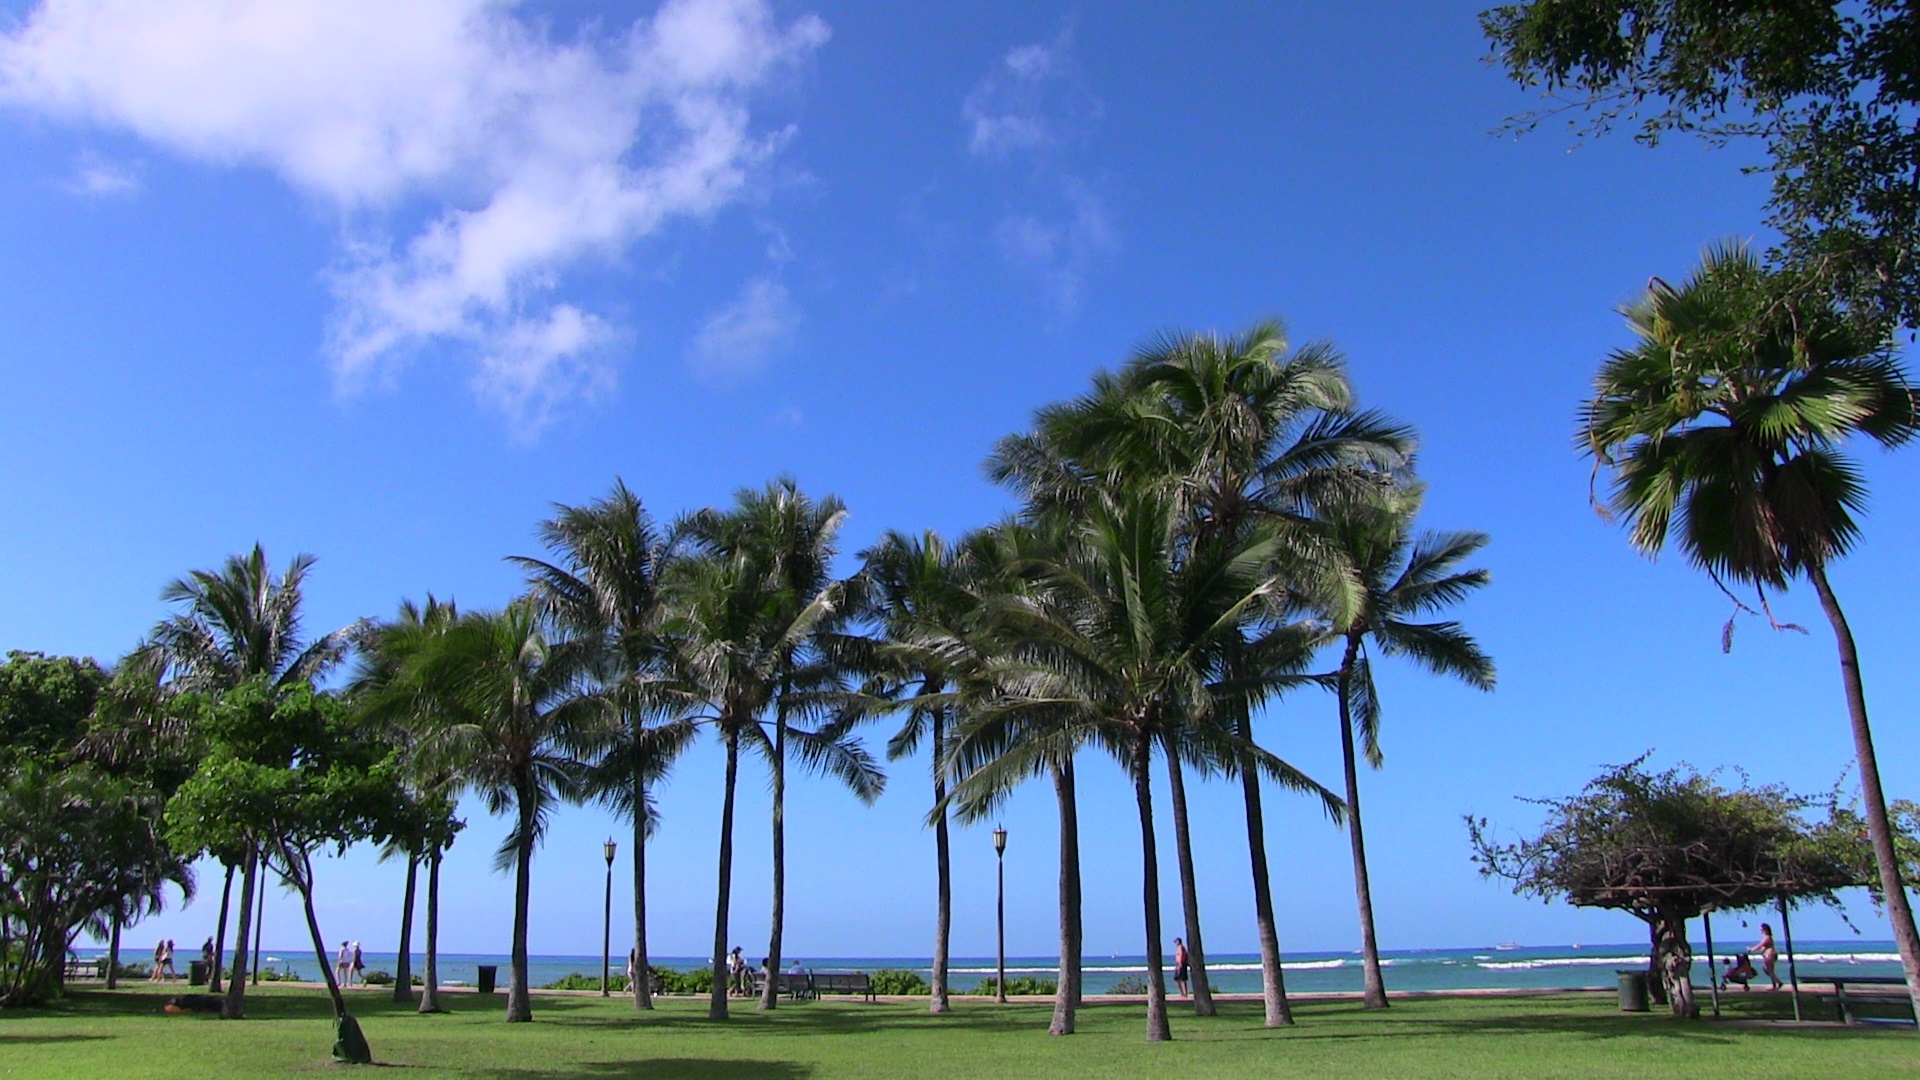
{"x": 1768, "y": 954}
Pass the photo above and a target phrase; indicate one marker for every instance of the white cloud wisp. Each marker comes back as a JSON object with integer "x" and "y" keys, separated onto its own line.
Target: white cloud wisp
{"x": 533, "y": 154}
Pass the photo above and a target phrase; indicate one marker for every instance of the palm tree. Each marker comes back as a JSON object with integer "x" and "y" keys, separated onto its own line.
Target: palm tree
{"x": 787, "y": 541}
{"x": 1126, "y": 637}
{"x": 1400, "y": 579}
{"x": 510, "y": 718}
{"x": 606, "y": 589}
{"x": 1728, "y": 417}
{"x": 238, "y": 623}
{"x": 1239, "y": 432}
{"x": 913, "y": 584}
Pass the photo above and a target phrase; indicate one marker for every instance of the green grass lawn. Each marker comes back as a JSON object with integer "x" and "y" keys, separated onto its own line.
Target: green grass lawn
{"x": 124, "y": 1034}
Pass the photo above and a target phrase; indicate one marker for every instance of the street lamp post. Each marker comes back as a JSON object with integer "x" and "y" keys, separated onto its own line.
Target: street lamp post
{"x": 606, "y": 925}
{"x": 1000, "y": 856}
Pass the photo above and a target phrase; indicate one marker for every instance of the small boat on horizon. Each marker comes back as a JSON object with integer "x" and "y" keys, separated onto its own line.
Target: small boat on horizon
{"x": 1507, "y": 946}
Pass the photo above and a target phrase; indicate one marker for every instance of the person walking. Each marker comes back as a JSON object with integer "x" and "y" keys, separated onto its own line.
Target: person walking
{"x": 343, "y": 963}
{"x": 1180, "y": 966}
{"x": 166, "y": 959}
{"x": 159, "y": 960}
{"x": 359, "y": 966}
{"x": 1769, "y": 955}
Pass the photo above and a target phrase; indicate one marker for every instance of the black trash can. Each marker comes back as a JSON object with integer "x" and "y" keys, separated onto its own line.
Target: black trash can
{"x": 1633, "y": 989}
{"x": 197, "y": 972}
{"x": 490, "y": 974}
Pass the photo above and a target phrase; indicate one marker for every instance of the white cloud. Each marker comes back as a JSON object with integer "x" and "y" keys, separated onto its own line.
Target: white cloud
{"x": 1034, "y": 99}
{"x": 1036, "y": 106}
{"x": 742, "y": 337}
{"x": 99, "y": 178}
{"x": 533, "y": 154}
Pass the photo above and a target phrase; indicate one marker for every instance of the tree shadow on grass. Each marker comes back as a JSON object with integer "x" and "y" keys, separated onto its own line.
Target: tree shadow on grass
{"x": 690, "y": 1068}
{"x": 32, "y": 1040}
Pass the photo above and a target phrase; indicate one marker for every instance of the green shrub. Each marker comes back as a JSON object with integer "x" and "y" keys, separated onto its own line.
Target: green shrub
{"x": 575, "y": 981}
{"x": 1024, "y": 985}
{"x": 1128, "y": 984}
{"x": 897, "y": 981}
{"x": 697, "y": 981}
{"x": 377, "y": 978}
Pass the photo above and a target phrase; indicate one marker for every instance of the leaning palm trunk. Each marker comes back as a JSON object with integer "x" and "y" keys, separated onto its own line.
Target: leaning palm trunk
{"x": 219, "y": 936}
{"x": 430, "y": 993}
{"x": 403, "y": 964}
{"x": 234, "y": 1007}
{"x": 113, "y": 957}
{"x": 717, "y": 1006}
{"x": 1273, "y": 980}
{"x": 943, "y": 914}
{"x": 300, "y": 873}
{"x": 1157, "y": 1030}
{"x": 1879, "y": 829}
{"x": 1375, "y": 986}
{"x": 519, "y": 1001}
{"x": 1066, "y": 996}
{"x": 770, "y": 993}
{"x": 642, "y": 987}
{"x": 1189, "y": 892}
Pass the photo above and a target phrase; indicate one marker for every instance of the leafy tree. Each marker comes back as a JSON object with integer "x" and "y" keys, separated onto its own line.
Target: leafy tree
{"x": 606, "y": 590}
{"x": 45, "y": 703}
{"x": 1401, "y": 579}
{"x": 511, "y": 717}
{"x": 1669, "y": 846}
{"x": 1830, "y": 89}
{"x": 1728, "y": 419}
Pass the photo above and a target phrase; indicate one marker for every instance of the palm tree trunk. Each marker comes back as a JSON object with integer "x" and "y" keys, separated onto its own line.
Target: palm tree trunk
{"x": 519, "y": 1001}
{"x": 717, "y": 1007}
{"x": 220, "y": 935}
{"x": 1157, "y": 1029}
{"x": 1375, "y": 986}
{"x": 1273, "y": 980}
{"x": 1879, "y": 829}
{"x": 234, "y": 1008}
{"x": 770, "y": 993}
{"x": 430, "y": 993}
{"x": 943, "y": 904}
{"x": 1189, "y": 893}
{"x": 1066, "y": 997}
{"x": 113, "y": 957}
{"x": 403, "y": 964}
{"x": 642, "y": 987}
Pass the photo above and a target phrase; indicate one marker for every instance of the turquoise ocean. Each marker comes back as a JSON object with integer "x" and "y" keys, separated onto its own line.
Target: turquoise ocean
{"x": 1507, "y": 966}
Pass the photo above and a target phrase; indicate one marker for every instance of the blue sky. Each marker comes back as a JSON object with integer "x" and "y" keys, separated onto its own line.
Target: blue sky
{"x": 383, "y": 290}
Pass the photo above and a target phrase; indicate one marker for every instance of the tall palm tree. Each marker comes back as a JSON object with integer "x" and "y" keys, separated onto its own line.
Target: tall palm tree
{"x": 1126, "y": 634}
{"x": 918, "y": 595}
{"x": 237, "y": 623}
{"x": 510, "y": 720}
{"x": 1239, "y": 432}
{"x": 1401, "y": 579}
{"x": 605, "y": 589}
{"x": 789, "y": 541}
{"x": 1727, "y": 418}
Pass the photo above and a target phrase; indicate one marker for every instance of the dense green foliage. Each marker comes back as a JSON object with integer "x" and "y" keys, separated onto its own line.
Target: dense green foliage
{"x": 899, "y": 982}
{"x": 1018, "y": 986}
{"x": 1831, "y": 89}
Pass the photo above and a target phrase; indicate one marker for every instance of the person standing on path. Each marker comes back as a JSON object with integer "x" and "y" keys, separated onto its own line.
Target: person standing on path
{"x": 1180, "y": 966}
{"x": 343, "y": 963}
{"x": 359, "y": 966}
{"x": 1769, "y": 955}
{"x": 159, "y": 958}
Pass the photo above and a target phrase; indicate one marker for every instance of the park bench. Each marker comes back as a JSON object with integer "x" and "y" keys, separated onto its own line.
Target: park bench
{"x": 1843, "y": 1007}
{"x": 794, "y": 986}
{"x": 856, "y": 982}
{"x": 85, "y": 969}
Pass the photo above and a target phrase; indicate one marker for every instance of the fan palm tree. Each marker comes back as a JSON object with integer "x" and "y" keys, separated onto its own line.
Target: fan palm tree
{"x": 1401, "y": 579}
{"x": 606, "y": 589}
{"x": 238, "y": 623}
{"x": 1723, "y": 428}
{"x": 1239, "y": 432}
{"x": 509, "y": 720}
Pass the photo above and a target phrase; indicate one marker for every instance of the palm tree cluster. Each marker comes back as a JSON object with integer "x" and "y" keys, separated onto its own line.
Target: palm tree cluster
{"x": 1193, "y": 533}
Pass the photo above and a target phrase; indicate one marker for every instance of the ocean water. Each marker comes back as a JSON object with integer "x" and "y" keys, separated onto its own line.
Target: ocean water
{"x": 1490, "y": 967}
